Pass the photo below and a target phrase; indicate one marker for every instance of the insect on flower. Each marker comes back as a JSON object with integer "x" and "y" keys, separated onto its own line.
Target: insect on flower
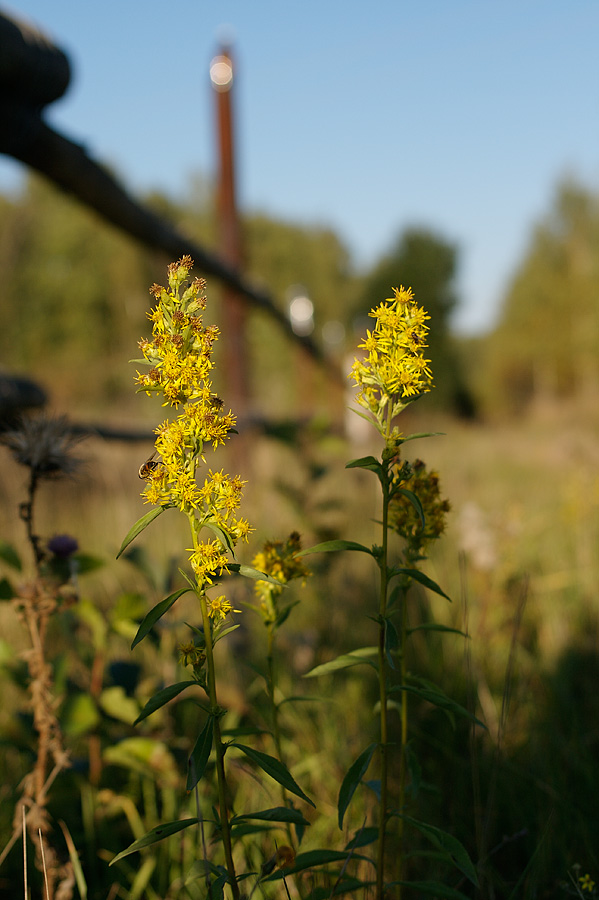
{"x": 146, "y": 469}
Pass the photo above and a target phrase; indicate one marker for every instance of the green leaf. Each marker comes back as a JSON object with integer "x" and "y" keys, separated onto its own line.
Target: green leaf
{"x": 9, "y": 555}
{"x": 363, "y": 838}
{"x": 432, "y": 694}
{"x": 355, "y": 658}
{"x": 6, "y": 589}
{"x": 312, "y": 858}
{"x": 431, "y": 887}
{"x": 219, "y": 635}
{"x": 163, "y": 697}
{"x": 370, "y": 463}
{"x": 87, "y": 563}
{"x": 115, "y": 702}
{"x": 79, "y": 715}
{"x": 434, "y": 626}
{"x": 249, "y": 572}
{"x": 275, "y": 769}
{"x": 419, "y": 576}
{"x": 276, "y": 814}
{"x": 139, "y": 526}
{"x": 155, "y": 614}
{"x": 243, "y": 731}
{"x": 450, "y": 845}
{"x": 332, "y": 546}
{"x": 370, "y": 419}
{"x": 219, "y": 534}
{"x": 421, "y": 434}
{"x": 354, "y": 776}
{"x": 411, "y": 496}
{"x": 152, "y": 837}
{"x": 200, "y": 754}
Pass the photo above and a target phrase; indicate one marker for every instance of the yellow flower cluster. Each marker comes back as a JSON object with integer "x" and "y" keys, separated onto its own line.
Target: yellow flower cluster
{"x": 394, "y": 370}
{"x": 403, "y": 517}
{"x": 277, "y": 559}
{"x": 586, "y": 883}
{"x": 180, "y": 356}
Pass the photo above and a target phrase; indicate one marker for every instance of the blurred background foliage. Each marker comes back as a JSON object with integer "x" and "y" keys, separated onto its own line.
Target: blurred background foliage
{"x": 520, "y": 410}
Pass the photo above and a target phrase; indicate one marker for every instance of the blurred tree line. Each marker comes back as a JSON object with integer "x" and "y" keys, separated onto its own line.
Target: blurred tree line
{"x": 75, "y": 293}
{"x": 545, "y": 346}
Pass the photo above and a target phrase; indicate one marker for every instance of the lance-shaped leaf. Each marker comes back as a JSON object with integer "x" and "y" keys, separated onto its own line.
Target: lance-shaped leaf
{"x": 139, "y": 526}
{"x": 420, "y": 577}
{"x": 200, "y": 754}
{"x": 411, "y": 496}
{"x": 435, "y": 626}
{"x": 448, "y": 844}
{"x": 275, "y": 769}
{"x": 276, "y": 814}
{"x": 355, "y": 658}
{"x": 219, "y": 534}
{"x": 152, "y": 837}
{"x": 354, "y": 776}
{"x": 432, "y": 694}
{"x": 163, "y": 697}
{"x": 312, "y": 858}
{"x": 370, "y": 463}
{"x": 421, "y": 434}
{"x": 256, "y": 574}
{"x": 150, "y": 619}
{"x": 332, "y": 546}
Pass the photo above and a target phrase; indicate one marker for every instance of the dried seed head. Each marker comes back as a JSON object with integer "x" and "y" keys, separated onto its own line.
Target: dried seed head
{"x": 45, "y": 445}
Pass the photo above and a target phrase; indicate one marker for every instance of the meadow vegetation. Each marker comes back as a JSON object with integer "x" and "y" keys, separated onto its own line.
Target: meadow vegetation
{"x": 518, "y": 560}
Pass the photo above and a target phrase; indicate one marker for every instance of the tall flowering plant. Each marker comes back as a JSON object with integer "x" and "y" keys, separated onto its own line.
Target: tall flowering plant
{"x": 178, "y": 363}
{"x": 391, "y": 373}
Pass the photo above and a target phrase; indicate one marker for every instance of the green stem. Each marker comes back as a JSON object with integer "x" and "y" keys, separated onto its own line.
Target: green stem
{"x": 382, "y": 670}
{"x": 404, "y": 734}
{"x": 218, "y": 745}
{"x": 274, "y": 715}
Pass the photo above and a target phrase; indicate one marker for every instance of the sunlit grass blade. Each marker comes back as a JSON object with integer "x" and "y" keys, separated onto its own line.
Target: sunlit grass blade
{"x": 139, "y": 527}
{"x": 163, "y": 697}
{"x": 345, "y": 661}
{"x": 275, "y": 769}
{"x": 154, "y": 836}
{"x": 155, "y": 614}
{"x": 354, "y": 776}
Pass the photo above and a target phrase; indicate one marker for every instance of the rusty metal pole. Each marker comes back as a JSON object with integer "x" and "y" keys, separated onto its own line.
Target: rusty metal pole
{"x": 235, "y": 363}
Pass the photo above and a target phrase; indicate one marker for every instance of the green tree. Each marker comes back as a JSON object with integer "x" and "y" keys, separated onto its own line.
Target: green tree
{"x": 71, "y": 292}
{"x": 545, "y": 345}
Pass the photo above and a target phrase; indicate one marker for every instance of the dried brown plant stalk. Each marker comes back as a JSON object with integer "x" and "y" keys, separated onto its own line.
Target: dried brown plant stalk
{"x": 44, "y": 446}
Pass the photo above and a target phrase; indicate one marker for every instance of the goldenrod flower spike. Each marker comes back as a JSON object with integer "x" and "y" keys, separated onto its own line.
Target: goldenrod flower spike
{"x": 394, "y": 370}
{"x": 180, "y": 358}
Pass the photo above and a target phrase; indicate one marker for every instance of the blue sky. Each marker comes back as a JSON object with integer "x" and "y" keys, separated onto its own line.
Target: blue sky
{"x": 370, "y": 116}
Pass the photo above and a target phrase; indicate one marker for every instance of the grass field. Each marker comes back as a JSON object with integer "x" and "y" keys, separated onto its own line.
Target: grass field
{"x": 520, "y": 560}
